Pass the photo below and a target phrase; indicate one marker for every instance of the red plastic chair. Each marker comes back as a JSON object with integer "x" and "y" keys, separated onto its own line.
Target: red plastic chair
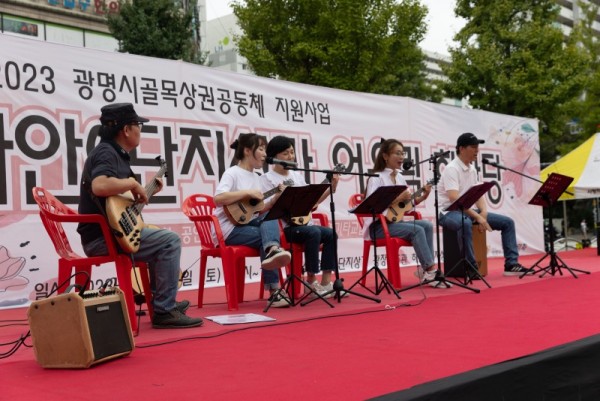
{"x": 200, "y": 209}
{"x": 297, "y": 251}
{"x": 392, "y": 244}
{"x": 53, "y": 214}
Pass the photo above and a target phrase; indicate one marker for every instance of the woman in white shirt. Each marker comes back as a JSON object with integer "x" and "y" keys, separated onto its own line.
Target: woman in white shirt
{"x": 312, "y": 236}
{"x": 388, "y": 164}
{"x": 240, "y": 183}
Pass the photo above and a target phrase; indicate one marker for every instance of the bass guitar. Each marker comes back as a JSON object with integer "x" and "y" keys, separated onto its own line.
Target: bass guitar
{"x": 241, "y": 212}
{"x": 396, "y": 210}
{"x": 303, "y": 220}
{"x": 124, "y": 214}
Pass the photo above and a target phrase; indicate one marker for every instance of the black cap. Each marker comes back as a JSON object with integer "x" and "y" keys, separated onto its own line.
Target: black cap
{"x": 278, "y": 144}
{"x": 119, "y": 114}
{"x": 468, "y": 139}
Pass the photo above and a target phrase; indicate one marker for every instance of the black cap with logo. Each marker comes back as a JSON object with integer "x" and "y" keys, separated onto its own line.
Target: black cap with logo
{"x": 468, "y": 139}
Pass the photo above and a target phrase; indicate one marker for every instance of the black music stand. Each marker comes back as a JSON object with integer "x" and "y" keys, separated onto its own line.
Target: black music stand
{"x": 296, "y": 201}
{"x": 373, "y": 205}
{"x": 547, "y": 196}
{"x": 464, "y": 202}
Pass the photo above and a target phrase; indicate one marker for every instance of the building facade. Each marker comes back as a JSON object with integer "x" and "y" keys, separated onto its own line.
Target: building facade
{"x": 72, "y": 22}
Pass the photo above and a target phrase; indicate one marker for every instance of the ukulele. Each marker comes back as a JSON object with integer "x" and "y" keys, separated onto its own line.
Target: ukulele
{"x": 241, "y": 212}
{"x": 124, "y": 214}
{"x": 396, "y": 210}
{"x": 303, "y": 220}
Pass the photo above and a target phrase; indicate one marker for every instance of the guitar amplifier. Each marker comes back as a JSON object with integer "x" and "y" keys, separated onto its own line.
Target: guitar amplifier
{"x": 73, "y": 331}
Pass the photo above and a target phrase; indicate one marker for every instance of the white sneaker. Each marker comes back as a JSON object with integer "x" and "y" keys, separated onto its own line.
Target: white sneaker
{"x": 319, "y": 289}
{"x": 430, "y": 277}
{"x": 312, "y": 285}
{"x": 276, "y": 258}
{"x": 440, "y": 284}
{"x": 329, "y": 287}
{"x": 279, "y": 299}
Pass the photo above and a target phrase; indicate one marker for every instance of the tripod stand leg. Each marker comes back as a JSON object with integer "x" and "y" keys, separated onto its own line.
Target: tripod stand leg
{"x": 441, "y": 280}
{"x": 338, "y": 289}
{"x": 557, "y": 264}
{"x": 379, "y": 287}
{"x": 289, "y": 281}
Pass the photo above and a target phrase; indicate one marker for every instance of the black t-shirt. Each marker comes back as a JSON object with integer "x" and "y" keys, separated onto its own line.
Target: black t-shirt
{"x": 107, "y": 159}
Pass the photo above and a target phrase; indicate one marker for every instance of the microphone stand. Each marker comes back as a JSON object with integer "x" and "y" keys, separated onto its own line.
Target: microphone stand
{"x": 556, "y": 263}
{"x": 338, "y": 284}
{"x": 499, "y": 166}
{"x": 439, "y": 276}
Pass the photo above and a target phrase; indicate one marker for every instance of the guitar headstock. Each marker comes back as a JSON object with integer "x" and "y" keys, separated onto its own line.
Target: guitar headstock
{"x": 163, "y": 167}
{"x": 338, "y": 168}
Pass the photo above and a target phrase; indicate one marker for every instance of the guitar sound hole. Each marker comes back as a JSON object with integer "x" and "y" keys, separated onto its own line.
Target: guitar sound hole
{"x": 401, "y": 204}
{"x": 253, "y": 202}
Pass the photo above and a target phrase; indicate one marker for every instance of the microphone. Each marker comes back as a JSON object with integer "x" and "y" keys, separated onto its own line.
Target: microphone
{"x": 491, "y": 163}
{"x": 407, "y": 164}
{"x": 283, "y": 163}
{"x": 441, "y": 153}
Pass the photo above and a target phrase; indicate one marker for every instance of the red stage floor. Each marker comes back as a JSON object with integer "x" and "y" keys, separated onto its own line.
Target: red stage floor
{"x": 357, "y": 350}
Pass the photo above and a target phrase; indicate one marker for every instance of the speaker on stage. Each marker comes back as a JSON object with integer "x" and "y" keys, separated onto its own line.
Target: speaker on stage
{"x": 73, "y": 331}
{"x": 452, "y": 253}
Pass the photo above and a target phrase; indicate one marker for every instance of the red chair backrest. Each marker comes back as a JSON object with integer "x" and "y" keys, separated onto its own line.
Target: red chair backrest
{"x": 203, "y": 205}
{"x": 50, "y": 209}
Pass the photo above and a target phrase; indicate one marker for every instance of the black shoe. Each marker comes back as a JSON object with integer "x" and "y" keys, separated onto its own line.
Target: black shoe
{"x": 174, "y": 320}
{"x": 276, "y": 258}
{"x": 182, "y": 306}
{"x": 516, "y": 270}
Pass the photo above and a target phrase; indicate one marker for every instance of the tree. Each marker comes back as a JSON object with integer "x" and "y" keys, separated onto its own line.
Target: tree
{"x": 367, "y": 46}
{"x": 156, "y": 28}
{"x": 511, "y": 58}
{"x": 585, "y": 110}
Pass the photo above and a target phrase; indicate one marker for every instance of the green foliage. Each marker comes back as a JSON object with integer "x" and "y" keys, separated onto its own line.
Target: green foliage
{"x": 586, "y": 109}
{"x": 512, "y": 58}
{"x": 156, "y": 28}
{"x": 366, "y": 46}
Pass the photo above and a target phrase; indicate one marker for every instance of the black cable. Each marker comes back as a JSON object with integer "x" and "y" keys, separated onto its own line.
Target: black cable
{"x": 387, "y": 308}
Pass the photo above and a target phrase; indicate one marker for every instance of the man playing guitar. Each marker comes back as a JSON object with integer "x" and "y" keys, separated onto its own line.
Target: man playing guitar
{"x": 107, "y": 173}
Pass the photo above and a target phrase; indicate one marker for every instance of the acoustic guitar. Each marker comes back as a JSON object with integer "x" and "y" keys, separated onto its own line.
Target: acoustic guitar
{"x": 303, "y": 220}
{"x": 396, "y": 210}
{"x": 124, "y": 214}
{"x": 241, "y": 212}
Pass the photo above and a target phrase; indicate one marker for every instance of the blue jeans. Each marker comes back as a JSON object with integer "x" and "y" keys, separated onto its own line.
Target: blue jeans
{"x": 418, "y": 232}
{"x": 161, "y": 249}
{"x": 262, "y": 235}
{"x": 506, "y": 225}
{"x": 312, "y": 237}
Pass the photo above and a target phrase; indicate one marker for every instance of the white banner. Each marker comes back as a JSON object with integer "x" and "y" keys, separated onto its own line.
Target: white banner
{"x": 51, "y": 95}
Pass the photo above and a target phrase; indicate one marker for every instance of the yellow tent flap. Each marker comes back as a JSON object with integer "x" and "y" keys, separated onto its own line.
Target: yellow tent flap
{"x": 572, "y": 164}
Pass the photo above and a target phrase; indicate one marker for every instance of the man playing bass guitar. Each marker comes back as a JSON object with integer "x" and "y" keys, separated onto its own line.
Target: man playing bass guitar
{"x": 107, "y": 173}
